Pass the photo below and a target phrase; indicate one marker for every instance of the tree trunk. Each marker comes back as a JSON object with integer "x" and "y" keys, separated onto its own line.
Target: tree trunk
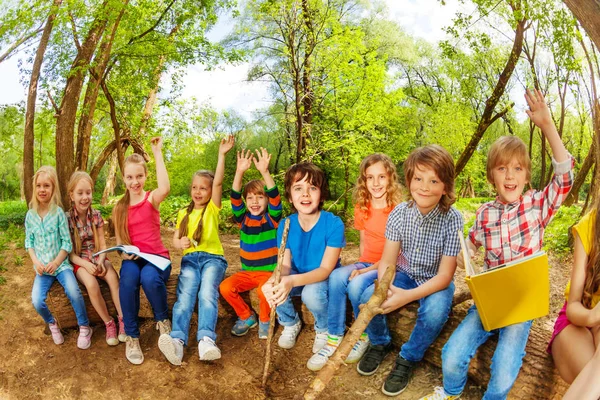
{"x": 573, "y": 195}
{"x": 65, "y": 123}
{"x": 111, "y": 180}
{"x": 29, "y": 135}
{"x": 487, "y": 117}
{"x": 588, "y": 14}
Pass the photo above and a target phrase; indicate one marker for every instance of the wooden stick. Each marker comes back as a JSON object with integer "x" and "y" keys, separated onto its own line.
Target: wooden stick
{"x": 280, "y": 255}
{"x": 367, "y": 312}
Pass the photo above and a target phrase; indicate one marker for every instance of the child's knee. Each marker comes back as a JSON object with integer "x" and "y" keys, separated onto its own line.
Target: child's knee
{"x": 315, "y": 296}
{"x": 38, "y": 301}
{"x": 151, "y": 280}
{"x": 453, "y": 357}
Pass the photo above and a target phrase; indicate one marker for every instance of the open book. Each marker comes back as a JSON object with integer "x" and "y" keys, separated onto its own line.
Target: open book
{"x": 511, "y": 293}
{"x": 158, "y": 261}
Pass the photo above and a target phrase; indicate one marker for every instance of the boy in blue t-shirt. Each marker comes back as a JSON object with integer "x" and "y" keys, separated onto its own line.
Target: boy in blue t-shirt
{"x": 313, "y": 248}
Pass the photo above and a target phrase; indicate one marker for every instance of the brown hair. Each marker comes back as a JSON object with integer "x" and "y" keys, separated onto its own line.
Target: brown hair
{"x": 503, "y": 150}
{"x": 119, "y": 215}
{"x": 313, "y": 174}
{"x": 183, "y": 226}
{"x": 256, "y": 186}
{"x": 75, "y": 178}
{"x": 55, "y": 200}
{"x": 592, "y": 271}
{"x": 361, "y": 195}
{"x": 440, "y": 161}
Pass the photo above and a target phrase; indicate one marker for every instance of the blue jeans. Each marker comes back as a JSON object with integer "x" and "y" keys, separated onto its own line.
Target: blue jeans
{"x": 200, "y": 276}
{"x": 314, "y": 296}
{"x": 431, "y": 317}
{"x": 154, "y": 282}
{"x": 41, "y": 287}
{"x": 339, "y": 286}
{"x": 506, "y": 362}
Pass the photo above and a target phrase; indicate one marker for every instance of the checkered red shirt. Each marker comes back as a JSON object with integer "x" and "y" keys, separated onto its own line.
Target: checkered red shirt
{"x": 511, "y": 231}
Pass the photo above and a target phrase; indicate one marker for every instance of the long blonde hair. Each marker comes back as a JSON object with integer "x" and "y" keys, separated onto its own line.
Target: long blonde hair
{"x": 183, "y": 226}
{"x": 53, "y": 177}
{"x": 73, "y": 181}
{"x": 592, "y": 274}
{"x": 119, "y": 215}
{"x": 361, "y": 195}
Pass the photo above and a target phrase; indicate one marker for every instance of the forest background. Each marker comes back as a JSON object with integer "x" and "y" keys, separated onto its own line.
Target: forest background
{"x": 342, "y": 79}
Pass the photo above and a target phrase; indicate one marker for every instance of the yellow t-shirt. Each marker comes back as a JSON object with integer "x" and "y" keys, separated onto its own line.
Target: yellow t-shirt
{"x": 210, "y": 242}
{"x": 585, "y": 230}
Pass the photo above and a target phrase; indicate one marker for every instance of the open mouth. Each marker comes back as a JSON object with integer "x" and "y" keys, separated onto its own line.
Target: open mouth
{"x": 510, "y": 187}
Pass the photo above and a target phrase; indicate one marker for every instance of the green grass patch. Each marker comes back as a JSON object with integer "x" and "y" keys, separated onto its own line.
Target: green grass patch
{"x": 557, "y": 233}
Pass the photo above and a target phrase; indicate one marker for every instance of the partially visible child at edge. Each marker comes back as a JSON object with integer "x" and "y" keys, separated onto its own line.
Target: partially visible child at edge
{"x": 376, "y": 193}
{"x": 202, "y": 266}
{"x": 48, "y": 243}
{"x": 257, "y": 211}
{"x": 508, "y": 228}
{"x": 87, "y": 232}
{"x": 137, "y": 222}
{"x": 422, "y": 243}
{"x": 575, "y": 342}
{"x": 313, "y": 248}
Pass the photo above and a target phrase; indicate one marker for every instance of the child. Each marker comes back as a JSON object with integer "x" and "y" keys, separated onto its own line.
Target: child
{"x": 376, "y": 193}
{"x": 87, "y": 233}
{"x": 48, "y": 243}
{"x": 202, "y": 266}
{"x": 421, "y": 242}
{"x": 574, "y": 343}
{"x": 509, "y": 228}
{"x": 137, "y": 222}
{"x": 257, "y": 211}
{"x": 313, "y": 247}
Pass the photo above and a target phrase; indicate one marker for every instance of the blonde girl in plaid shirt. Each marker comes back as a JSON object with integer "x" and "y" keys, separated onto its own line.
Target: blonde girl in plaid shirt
{"x": 508, "y": 228}
{"x": 48, "y": 243}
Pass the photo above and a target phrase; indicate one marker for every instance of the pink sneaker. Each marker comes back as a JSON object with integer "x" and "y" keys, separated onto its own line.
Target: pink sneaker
{"x": 111, "y": 333}
{"x": 84, "y": 341}
{"x": 122, "y": 334}
{"x": 56, "y": 334}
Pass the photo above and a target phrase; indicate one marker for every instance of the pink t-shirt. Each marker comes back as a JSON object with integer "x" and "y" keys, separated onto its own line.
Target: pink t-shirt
{"x": 143, "y": 222}
{"x": 373, "y": 226}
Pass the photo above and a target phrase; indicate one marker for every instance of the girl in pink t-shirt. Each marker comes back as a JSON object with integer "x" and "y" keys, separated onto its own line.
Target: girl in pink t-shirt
{"x": 376, "y": 194}
{"x": 137, "y": 222}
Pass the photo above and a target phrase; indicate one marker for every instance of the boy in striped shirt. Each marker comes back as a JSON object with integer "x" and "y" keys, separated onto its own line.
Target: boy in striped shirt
{"x": 257, "y": 211}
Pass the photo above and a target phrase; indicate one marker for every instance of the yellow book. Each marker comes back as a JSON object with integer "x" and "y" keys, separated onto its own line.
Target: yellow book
{"x": 510, "y": 293}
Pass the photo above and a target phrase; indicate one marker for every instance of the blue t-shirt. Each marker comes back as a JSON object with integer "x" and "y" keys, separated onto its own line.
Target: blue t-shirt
{"x": 308, "y": 248}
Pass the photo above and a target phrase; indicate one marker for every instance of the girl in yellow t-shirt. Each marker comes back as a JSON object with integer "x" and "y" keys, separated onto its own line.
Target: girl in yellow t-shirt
{"x": 576, "y": 338}
{"x": 202, "y": 266}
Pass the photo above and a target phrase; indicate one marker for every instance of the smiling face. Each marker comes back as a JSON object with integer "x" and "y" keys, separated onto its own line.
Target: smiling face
{"x": 134, "y": 177}
{"x": 509, "y": 179}
{"x": 256, "y": 203}
{"x": 377, "y": 179}
{"x": 43, "y": 189}
{"x": 426, "y": 188}
{"x": 201, "y": 190}
{"x": 305, "y": 196}
{"x": 81, "y": 196}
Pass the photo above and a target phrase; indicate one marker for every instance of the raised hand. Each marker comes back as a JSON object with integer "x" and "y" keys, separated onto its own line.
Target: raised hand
{"x": 262, "y": 160}
{"x": 538, "y": 112}
{"x": 244, "y": 161}
{"x": 226, "y": 144}
{"x": 156, "y": 143}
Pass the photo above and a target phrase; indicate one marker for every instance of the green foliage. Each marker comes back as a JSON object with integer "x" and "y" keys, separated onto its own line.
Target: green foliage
{"x": 19, "y": 261}
{"x": 12, "y": 213}
{"x": 558, "y": 232}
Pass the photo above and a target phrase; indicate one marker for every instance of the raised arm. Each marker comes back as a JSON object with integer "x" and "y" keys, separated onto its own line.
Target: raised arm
{"x": 217, "y": 187}
{"x": 162, "y": 177}
{"x": 244, "y": 162}
{"x": 261, "y": 162}
{"x": 540, "y": 115}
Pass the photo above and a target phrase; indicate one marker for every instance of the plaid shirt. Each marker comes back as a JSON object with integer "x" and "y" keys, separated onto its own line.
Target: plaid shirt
{"x": 48, "y": 237}
{"x": 424, "y": 239}
{"x": 515, "y": 230}
{"x": 86, "y": 232}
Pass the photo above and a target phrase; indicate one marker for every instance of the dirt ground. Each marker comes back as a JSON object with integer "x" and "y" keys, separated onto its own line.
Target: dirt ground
{"x": 33, "y": 367}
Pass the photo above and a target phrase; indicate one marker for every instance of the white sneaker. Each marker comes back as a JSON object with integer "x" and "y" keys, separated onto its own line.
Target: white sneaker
{"x": 318, "y": 360}
{"x": 287, "y": 340}
{"x": 320, "y": 341}
{"x": 208, "y": 350}
{"x": 133, "y": 351}
{"x": 171, "y": 348}
{"x": 359, "y": 349}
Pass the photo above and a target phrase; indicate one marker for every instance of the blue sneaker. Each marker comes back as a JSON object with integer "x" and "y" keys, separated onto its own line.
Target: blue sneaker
{"x": 263, "y": 330}
{"x": 242, "y": 326}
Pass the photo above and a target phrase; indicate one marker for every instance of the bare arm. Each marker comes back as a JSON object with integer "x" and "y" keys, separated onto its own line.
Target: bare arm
{"x": 540, "y": 115}
{"x": 162, "y": 177}
{"x": 180, "y": 243}
{"x": 217, "y": 186}
{"x": 389, "y": 256}
{"x": 577, "y": 313}
{"x": 361, "y": 243}
{"x": 244, "y": 162}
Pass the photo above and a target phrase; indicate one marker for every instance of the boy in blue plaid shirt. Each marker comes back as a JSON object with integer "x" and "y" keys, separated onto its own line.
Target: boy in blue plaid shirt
{"x": 422, "y": 241}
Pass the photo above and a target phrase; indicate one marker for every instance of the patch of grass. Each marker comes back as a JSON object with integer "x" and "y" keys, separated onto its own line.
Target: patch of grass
{"x": 19, "y": 261}
{"x": 558, "y": 233}
{"x": 2, "y": 280}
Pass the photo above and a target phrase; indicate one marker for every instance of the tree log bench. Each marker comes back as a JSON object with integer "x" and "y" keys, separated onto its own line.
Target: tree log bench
{"x": 538, "y": 378}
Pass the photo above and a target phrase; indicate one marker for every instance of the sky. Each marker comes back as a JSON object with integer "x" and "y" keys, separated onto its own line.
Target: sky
{"x": 226, "y": 87}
